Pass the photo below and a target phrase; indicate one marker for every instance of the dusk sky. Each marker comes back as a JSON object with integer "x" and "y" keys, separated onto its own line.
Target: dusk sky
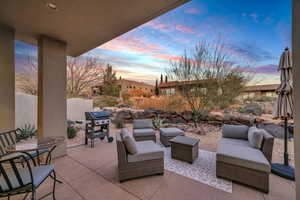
{"x": 255, "y": 32}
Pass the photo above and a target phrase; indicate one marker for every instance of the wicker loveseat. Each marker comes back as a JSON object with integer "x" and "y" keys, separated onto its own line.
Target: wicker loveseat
{"x": 149, "y": 159}
{"x": 238, "y": 161}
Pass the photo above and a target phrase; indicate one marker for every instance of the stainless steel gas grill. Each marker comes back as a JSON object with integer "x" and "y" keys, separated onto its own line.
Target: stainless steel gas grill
{"x": 97, "y": 126}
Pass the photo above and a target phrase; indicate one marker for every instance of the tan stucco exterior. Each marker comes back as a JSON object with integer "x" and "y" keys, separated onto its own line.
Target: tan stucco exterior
{"x": 82, "y": 24}
{"x": 7, "y": 78}
{"x": 52, "y": 108}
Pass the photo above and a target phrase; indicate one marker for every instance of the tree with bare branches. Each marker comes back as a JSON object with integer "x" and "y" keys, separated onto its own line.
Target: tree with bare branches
{"x": 210, "y": 80}
{"x": 82, "y": 73}
{"x": 26, "y": 78}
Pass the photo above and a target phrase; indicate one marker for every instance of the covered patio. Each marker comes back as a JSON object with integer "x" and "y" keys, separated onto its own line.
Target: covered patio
{"x": 91, "y": 173}
{"x": 60, "y": 29}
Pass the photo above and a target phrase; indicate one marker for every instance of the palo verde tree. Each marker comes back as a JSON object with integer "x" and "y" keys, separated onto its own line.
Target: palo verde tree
{"x": 210, "y": 80}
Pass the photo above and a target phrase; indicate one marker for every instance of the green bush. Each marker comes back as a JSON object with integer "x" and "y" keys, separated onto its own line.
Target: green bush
{"x": 71, "y": 132}
{"x": 27, "y": 131}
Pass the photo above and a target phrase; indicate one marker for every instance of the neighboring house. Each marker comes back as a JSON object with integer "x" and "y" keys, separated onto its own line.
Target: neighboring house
{"x": 173, "y": 87}
{"x": 125, "y": 86}
{"x": 260, "y": 91}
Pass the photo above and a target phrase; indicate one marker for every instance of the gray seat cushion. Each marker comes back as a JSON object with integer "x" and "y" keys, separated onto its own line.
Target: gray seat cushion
{"x": 242, "y": 156}
{"x": 170, "y": 132}
{"x": 239, "y": 142}
{"x": 142, "y": 124}
{"x": 235, "y": 131}
{"x": 147, "y": 150}
{"x": 143, "y": 132}
{"x": 40, "y": 173}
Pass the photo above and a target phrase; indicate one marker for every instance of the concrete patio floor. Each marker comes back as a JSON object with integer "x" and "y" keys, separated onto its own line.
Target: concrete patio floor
{"x": 92, "y": 174}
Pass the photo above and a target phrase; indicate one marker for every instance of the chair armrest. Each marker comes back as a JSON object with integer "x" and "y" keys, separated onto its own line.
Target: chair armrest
{"x": 267, "y": 146}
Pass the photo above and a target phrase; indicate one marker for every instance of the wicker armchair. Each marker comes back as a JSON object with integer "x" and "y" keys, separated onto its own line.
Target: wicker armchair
{"x": 143, "y": 130}
{"x": 134, "y": 169}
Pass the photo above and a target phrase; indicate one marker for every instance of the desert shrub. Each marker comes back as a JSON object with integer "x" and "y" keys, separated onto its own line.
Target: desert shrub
{"x": 169, "y": 103}
{"x": 118, "y": 122}
{"x": 71, "y": 129}
{"x": 126, "y": 98}
{"x": 265, "y": 99}
{"x": 71, "y": 132}
{"x": 105, "y": 101}
{"x": 157, "y": 122}
{"x": 27, "y": 131}
{"x": 140, "y": 93}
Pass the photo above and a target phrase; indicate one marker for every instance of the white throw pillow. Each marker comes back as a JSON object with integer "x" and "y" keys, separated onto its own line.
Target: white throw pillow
{"x": 255, "y": 137}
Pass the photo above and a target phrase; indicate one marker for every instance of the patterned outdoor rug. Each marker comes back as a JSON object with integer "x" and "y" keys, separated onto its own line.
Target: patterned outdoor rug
{"x": 203, "y": 169}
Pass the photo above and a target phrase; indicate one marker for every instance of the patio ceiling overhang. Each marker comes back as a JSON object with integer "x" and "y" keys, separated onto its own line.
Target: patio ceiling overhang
{"x": 83, "y": 25}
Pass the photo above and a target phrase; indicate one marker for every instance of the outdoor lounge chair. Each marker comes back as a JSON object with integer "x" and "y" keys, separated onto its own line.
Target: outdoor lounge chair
{"x": 15, "y": 179}
{"x": 9, "y": 138}
{"x": 143, "y": 130}
{"x": 238, "y": 161}
{"x": 149, "y": 159}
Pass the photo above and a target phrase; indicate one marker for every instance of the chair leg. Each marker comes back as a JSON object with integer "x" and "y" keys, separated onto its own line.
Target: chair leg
{"x": 33, "y": 195}
{"x": 54, "y": 183}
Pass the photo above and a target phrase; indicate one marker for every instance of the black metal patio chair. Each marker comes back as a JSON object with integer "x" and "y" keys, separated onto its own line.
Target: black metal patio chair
{"x": 15, "y": 180}
{"x": 9, "y": 138}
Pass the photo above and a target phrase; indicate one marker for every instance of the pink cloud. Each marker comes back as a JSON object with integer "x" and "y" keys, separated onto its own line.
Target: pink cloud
{"x": 136, "y": 45}
{"x": 131, "y": 45}
{"x": 184, "y": 29}
{"x": 160, "y": 26}
{"x": 192, "y": 11}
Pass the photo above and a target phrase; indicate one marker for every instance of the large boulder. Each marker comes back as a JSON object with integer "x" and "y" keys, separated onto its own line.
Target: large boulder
{"x": 274, "y": 129}
{"x": 252, "y": 108}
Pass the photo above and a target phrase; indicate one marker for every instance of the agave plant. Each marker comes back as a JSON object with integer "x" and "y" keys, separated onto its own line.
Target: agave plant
{"x": 26, "y": 131}
{"x": 157, "y": 122}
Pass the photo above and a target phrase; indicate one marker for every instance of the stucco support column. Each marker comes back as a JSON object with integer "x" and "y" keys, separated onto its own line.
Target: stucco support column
{"x": 7, "y": 78}
{"x": 296, "y": 82}
{"x": 52, "y": 90}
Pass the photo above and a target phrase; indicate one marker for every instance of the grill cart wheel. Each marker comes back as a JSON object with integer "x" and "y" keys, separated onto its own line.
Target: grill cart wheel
{"x": 110, "y": 139}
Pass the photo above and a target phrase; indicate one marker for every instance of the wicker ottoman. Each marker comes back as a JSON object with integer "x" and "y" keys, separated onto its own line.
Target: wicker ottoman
{"x": 184, "y": 148}
{"x": 168, "y": 133}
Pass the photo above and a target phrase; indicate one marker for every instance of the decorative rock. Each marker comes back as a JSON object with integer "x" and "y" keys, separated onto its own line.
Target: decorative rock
{"x": 274, "y": 129}
{"x": 253, "y": 108}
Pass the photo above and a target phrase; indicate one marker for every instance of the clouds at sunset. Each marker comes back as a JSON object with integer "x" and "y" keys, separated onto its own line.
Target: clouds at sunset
{"x": 255, "y": 32}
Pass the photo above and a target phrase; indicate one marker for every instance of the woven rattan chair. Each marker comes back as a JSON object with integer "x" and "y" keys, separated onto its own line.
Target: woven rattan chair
{"x": 130, "y": 170}
{"x": 15, "y": 180}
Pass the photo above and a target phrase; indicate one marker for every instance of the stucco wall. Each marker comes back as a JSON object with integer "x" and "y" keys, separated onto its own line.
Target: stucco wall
{"x": 76, "y": 107}
{"x": 26, "y": 109}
